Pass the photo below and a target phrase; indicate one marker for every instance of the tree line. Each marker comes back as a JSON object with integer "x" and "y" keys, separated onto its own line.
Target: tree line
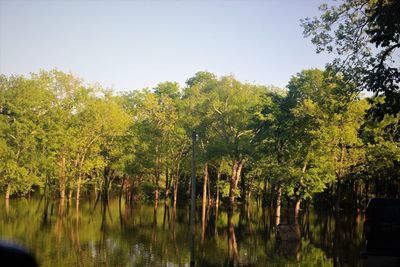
{"x": 312, "y": 142}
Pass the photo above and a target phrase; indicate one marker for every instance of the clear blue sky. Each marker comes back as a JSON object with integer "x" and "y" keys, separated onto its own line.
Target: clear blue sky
{"x": 135, "y": 44}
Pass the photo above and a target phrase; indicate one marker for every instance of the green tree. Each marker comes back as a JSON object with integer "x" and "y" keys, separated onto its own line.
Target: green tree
{"x": 365, "y": 36}
{"x": 24, "y": 104}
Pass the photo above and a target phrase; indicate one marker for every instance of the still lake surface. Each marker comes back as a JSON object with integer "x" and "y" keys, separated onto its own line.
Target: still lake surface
{"x": 140, "y": 235}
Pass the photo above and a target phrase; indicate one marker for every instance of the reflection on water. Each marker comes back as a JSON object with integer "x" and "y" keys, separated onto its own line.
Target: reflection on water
{"x": 116, "y": 234}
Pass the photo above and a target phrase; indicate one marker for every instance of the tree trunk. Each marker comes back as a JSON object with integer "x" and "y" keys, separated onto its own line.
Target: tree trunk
{"x": 78, "y": 188}
{"x": 278, "y": 204}
{"x": 62, "y": 178}
{"x": 217, "y": 189}
{"x": 264, "y": 193}
{"x": 366, "y": 193}
{"x": 204, "y": 204}
{"x": 166, "y": 186}
{"x": 157, "y": 177}
{"x": 339, "y": 176}
{"x": 248, "y": 198}
{"x": 156, "y": 198}
{"x": 236, "y": 171}
{"x": 8, "y": 191}
{"x": 232, "y": 245}
{"x": 356, "y": 198}
{"x": 209, "y": 191}
{"x": 297, "y": 210}
{"x": 175, "y": 191}
{"x": 232, "y": 187}
{"x": 7, "y": 206}
{"x": 205, "y": 182}
{"x": 176, "y": 184}
{"x": 338, "y": 196}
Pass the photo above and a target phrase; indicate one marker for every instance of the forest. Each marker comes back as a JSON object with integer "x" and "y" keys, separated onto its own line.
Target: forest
{"x": 330, "y": 139}
{"x": 89, "y": 175}
{"x": 315, "y": 142}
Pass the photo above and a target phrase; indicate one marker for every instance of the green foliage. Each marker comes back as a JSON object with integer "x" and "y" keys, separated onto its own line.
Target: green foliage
{"x": 365, "y": 36}
{"x": 60, "y": 135}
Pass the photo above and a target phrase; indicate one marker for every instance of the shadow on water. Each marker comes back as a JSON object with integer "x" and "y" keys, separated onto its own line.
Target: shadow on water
{"x": 115, "y": 233}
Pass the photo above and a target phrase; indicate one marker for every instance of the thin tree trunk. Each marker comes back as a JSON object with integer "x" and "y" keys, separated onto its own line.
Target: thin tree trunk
{"x": 166, "y": 186}
{"x": 157, "y": 177}
{"x": 8, "y": 191}
{"x": 232, "y": 187}
{"x": 175, "y": 191}
{"x": 7, "y": 205}
{"x": 339, "y": 175}
{"x": 204, "y": 204}
{"x": 236, "y": 171}
{"x": 366, "y": 192}
{"x": 205, "y": 182}
{"x": 248, "y": 196}
{"x": 156, "y": 198}
{"x": 338, "y": 196}
{"x": 78, "y": 187}
{"x": 232, "y": 245}
{"x": 176, "y": 184}
{"x": 297, "y": 210}
{"x": 209, "y": 192}
{"x": 62, "y": 178}
{"x": 278, "y": 205}
{"x": 217, "y": 189}
{"x": 264, "y": 193}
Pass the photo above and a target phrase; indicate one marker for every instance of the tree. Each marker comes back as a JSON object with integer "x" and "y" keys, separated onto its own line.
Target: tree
{"x": 365, "y": 36}
{"x": 380, "y": 170}
{"x": 225, "y": 107}
{"x": 329, "y": 119}
{"x": 24, "y": 104}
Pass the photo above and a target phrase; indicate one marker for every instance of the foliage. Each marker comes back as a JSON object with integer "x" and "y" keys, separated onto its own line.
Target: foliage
{"x": 365, "y": 36}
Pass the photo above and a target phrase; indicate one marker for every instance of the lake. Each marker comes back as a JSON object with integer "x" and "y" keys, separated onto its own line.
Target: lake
{"x": 140, "y": 235}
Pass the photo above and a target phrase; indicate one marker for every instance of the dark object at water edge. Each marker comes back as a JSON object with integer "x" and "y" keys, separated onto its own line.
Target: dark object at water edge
{"x": 382, "y": 226}
{"x": 12, "y": 255}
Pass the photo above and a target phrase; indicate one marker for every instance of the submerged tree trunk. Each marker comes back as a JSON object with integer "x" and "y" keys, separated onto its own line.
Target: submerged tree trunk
{"x": 232, "y": 244}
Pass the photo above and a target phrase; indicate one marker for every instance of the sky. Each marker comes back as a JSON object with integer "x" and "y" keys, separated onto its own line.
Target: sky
{"x": 127, "y": 45}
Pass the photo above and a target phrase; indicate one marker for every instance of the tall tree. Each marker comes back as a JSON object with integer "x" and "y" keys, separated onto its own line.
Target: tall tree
{"x": 365, "y": 36}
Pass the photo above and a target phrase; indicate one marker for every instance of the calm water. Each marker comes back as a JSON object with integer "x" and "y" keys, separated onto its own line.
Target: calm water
{"x": 120, "y": 235}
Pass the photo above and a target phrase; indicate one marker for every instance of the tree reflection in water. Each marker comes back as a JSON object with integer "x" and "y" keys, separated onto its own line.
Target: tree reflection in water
{"x": 146, "y": 235}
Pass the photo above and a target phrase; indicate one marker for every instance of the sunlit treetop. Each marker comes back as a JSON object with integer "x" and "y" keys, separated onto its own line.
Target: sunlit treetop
{"x": 365, "y": 36}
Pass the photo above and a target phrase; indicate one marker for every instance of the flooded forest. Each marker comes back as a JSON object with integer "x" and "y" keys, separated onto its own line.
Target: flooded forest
{"x": 282, "y": 176}
{"x": 277, "y": 176}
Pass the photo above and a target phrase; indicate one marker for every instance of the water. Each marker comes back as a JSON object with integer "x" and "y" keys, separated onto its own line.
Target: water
{"x": 121, "y": 235}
